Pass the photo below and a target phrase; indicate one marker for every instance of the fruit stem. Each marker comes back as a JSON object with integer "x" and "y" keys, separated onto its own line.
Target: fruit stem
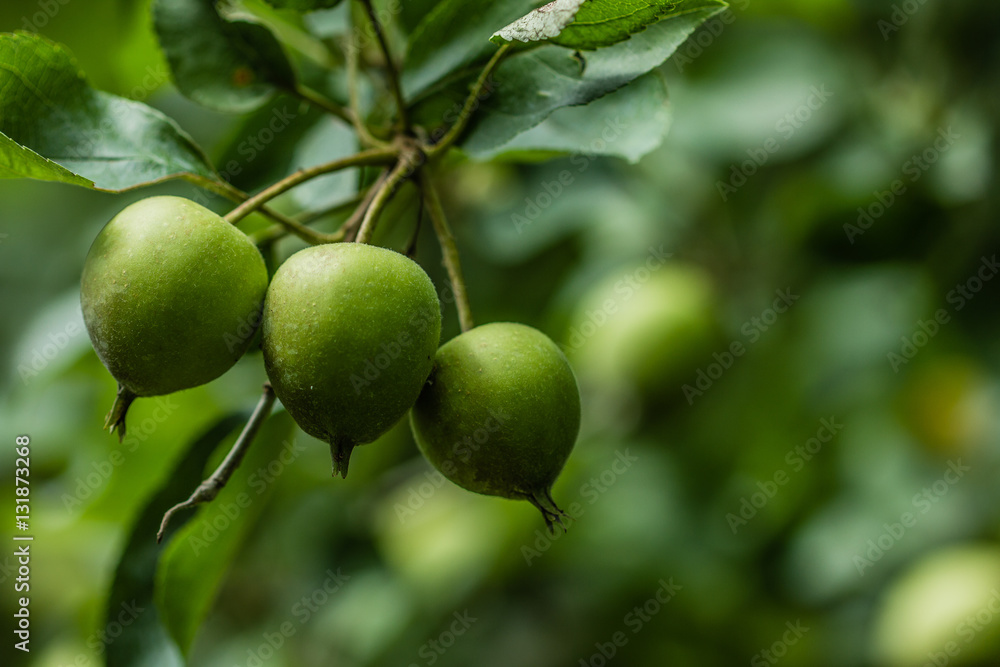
{"x": 390, "y": 65}
{"x": 275, "y": 232}
{"x": 449, "y": 251}
{"x": 472, "y": 103}
{"x": 350, "y": 226}
{"x": 364, "y": 135}
{"x": 340, "y": 452}
{"x": 364, "y": 158}
{"x": 115, "y": 420}
{"x": 317, "y": 100}
{"x": 404, "y": 169}
{"x": 210, "y": 488}
{"x": 232, "y": 193}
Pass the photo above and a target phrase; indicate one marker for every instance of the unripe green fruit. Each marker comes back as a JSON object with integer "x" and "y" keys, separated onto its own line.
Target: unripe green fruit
{"x": 169, "y": 292}
{"x": 349, "y": 336}
{"x": 652, "y": 334}
{"x": 500, "y": 413}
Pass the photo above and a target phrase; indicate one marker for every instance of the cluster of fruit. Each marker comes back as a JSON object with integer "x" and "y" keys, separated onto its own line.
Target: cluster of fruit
{"x": 173, "y": 294}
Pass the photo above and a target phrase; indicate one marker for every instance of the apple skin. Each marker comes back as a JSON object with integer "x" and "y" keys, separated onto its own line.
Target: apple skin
{"x": 349, "y": 336}
{"x": 168, "y": 287}
{"x": 500, "y": 413}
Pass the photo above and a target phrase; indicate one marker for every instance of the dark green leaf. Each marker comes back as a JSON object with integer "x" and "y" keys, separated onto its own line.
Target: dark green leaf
{"x": 455, "y": 34}
{"x": 627, "y": 123}
{"x": 601, "y": 23}
{"x": 303, "y": 5}
{"x": 233, "y": 66}
{"x": 195, "y": 562}
{"x": 259, "y": 148}
{"x": 412, "y": 12}
{"x": 532, "y": 84}
{"x": 143, "y": 639}
{"x": 16, "y": 161}
{"x": 590, "y": 24}
{"x": 55, "y": 127}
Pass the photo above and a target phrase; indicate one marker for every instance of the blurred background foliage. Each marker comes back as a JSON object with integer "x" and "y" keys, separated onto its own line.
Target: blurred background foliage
{"x": 876, "y": 546}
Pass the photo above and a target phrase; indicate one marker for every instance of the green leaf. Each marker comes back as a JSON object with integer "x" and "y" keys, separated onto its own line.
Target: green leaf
{"x": 16, "y": 161}
{"x": 541, "y": 24}
{"x": 534, "y": 83}
{"x": 303, "y": 5}
{"x": 628, "y": 123}
{"x": 55, "y": 127}
{"x": 601, "y": 23}
{"x": 591, "y": 24}
{"x": 234, "y": 66}
{"x": 412, "y": 12}
{"x": 144, "y": 639}
{"x": 455, "y": 34}
{"x": 195, "y": 562}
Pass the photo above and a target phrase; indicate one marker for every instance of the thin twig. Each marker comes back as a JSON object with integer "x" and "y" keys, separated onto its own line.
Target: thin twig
{"x": 449, "y": 251}
{"x": 234, "y": 194}
{"x": 411, "y": 245}
{"x": 360, "y": 127}
{"x": 275, "y": 232}
{"x": 369, "y": 157}
{"x": 390, "y": 65}
{"x": 210, "y": 488}
{"x": 353, "y": 223}
{"x": 402, "y": 171}
{"x": 314, "y": 98}
{"x": 470, "y": 106}
{"x": 310, "y": 217}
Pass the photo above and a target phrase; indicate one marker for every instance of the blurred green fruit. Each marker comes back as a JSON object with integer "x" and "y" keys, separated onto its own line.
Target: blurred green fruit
{"x": 349, "y": 336}
{"x": 500, "y": 413}
{"x": 171, "y": 296}
{"x": 943, "y": 610}
{"x": 645, "y": 327}
{"x": 945, "y": 405}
